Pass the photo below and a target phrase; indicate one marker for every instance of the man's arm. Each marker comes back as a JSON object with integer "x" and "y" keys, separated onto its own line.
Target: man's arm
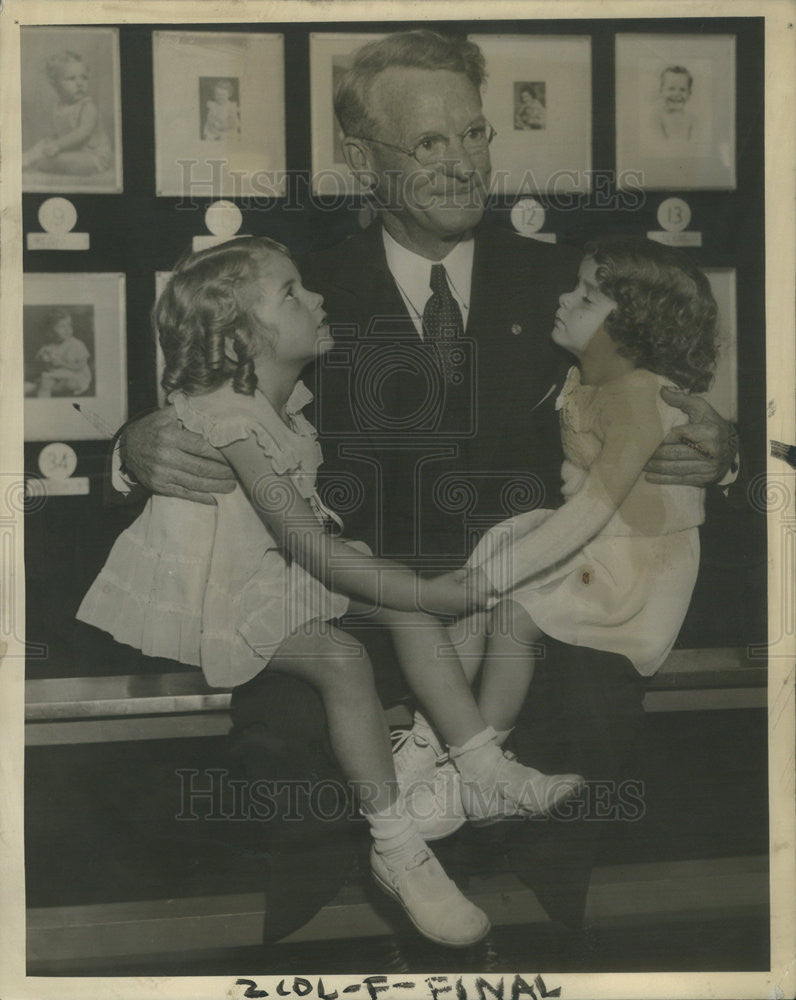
{"x": 699, "y": 453}
{"x": 171, "y": 461}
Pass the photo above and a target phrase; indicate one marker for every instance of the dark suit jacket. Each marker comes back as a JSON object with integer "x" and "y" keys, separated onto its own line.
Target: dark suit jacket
{"x": 420, "y": 465}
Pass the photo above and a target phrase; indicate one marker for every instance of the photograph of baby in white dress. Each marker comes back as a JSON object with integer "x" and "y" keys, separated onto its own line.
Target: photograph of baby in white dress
{"x": 71, "y": 122}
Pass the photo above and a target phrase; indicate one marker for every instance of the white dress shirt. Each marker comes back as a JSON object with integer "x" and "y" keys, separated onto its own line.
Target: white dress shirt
{"x": 412, "y": 275}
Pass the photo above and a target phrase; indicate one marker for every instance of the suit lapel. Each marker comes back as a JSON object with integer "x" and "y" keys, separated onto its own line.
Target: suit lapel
{"x": 369, "y": 280}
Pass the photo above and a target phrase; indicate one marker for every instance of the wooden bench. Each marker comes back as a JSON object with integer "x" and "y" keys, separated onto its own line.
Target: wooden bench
{"x": 172, "y": 705}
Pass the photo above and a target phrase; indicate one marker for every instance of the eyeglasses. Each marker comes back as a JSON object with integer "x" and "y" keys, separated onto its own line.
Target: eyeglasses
{"x": 432, "y": 149}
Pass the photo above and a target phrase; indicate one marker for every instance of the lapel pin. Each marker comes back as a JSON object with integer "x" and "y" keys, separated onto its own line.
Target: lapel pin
{"x": 516, "y": 329}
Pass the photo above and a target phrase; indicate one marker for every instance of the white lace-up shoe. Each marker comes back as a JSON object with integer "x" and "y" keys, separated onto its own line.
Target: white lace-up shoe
{"x": 415, "y": 753}
{"x": 512, "y": 789}
{"x": 431, "y": 900}
{"x": 429, "y": 781}
{"x": 436, "y": 805}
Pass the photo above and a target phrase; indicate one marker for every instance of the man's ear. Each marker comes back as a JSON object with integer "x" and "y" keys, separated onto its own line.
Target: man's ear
{"x": 357, "y": 158}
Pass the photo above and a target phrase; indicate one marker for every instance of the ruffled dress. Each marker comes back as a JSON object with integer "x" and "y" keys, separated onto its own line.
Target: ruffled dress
{"x": 208, "y": 585}
{"x": 628, "y": 588}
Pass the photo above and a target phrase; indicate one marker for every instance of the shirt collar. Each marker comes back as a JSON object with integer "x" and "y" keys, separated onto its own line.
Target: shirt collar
{"x": 298, "y": 399}
{"x": 412, "y": 273}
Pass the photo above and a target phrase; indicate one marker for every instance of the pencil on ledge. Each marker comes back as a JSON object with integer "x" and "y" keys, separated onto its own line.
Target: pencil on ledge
{"x": 784, "y": 451}
{"x": 95, "y": 420}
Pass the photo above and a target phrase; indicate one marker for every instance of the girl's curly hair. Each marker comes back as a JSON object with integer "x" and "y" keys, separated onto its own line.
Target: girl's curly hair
{"x": 208, "y": 300}
{"x": 665, "y": 320}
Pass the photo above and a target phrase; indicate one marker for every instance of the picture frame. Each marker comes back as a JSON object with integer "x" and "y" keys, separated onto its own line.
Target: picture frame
{"x": 74, "y": 348}
{"x": 214, "y": 134}
{"x": 675, "y": 112}
{"x": 723, "y": 392}
{"x": 70, "y": 77}
{"x": 330, "y": 54}
{"x": 538, "y": 98}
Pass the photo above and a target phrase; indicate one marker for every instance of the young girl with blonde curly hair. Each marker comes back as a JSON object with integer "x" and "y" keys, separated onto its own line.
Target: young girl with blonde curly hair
{"x": 257, "y": 581}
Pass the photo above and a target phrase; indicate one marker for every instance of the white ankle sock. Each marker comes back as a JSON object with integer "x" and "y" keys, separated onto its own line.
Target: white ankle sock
{"x": 394, "y": 833}
{"x": 502, "y": 735}
{"x": 476, "y": 758}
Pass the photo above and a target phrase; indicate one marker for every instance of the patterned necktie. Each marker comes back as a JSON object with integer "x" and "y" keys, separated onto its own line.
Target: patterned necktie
{"x": 442, "y": 319}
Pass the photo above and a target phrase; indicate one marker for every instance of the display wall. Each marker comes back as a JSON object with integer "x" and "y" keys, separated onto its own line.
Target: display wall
{"x": 583, "y": 148}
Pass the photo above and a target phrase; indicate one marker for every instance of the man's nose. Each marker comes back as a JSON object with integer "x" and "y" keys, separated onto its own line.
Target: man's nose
{"x": 457, "y": 161}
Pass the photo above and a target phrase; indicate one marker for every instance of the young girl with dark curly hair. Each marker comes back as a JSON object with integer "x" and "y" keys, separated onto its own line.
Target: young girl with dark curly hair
{"x": 614, "y": 567}
{"x": 256, "y": 581}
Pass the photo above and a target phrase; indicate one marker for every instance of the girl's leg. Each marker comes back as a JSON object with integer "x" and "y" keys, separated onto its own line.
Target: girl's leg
{"x": 46, "y": 385}
{"x": 512, "y": 645}
{"x": 496, "y": 785}
{"x": 74, "y": 162}
{"x": 339, "y": 669}
{"x": 402, "y": 865}
{"x": 434, "y": 672}
{"x": 468, "y": 638}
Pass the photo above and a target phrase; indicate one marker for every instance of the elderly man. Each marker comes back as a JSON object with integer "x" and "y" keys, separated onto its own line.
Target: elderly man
{"x": 436, "y": 407}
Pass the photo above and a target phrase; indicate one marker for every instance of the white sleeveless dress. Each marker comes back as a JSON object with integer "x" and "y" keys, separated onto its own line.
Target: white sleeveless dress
{"x": 208, "y": 585}
{"x": 628, "y": 588}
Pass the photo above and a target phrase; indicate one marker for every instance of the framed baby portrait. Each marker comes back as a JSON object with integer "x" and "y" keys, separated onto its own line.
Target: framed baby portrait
{"x": 675, "y": 112}
{"x": 71, "y": 110}
{"x": 74, "y": 348}
{"x": 219, "y": 114}
{"x": 723, "y": 392}
{"x": 538, "y": 99}
{"x": 330, "y": 57}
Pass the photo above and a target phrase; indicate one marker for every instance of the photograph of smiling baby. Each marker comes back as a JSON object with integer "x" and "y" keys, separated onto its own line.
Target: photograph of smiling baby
{"x": 675, "y": 111}
{"x": 671, "y": 117}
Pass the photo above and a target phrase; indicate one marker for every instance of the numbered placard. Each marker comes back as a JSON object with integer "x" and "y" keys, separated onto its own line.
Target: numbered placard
{"x": 674, "y": 216}
{"x": 57, "y": 217}
{"x": 528, "y": 217}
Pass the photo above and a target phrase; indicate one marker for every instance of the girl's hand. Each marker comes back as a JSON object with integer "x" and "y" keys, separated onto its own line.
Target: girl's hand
{"x": 481, "y": 590}
{"x": 456, "y": 593}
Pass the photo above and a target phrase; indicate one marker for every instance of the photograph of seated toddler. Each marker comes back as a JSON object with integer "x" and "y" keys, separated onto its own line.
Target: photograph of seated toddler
{"x": 530, "y": 111}
{"x": 222, "y": 114}
{"x": 77, "y": 142}
{"x": 61, "y": 366}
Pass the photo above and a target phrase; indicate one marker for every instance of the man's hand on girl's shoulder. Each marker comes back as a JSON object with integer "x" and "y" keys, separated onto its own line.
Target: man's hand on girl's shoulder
{"x": 168, "y": 460}
{"x": 699, "y": 453}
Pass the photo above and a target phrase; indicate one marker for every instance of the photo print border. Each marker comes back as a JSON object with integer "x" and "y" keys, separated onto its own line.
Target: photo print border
{"x": 103, "y": 148}
{"x": 250, "y": 159}
{"x": 530, "y": 161}
{"x": 105, "y": 410}
{"x": 329, "y": 50}
{"x": 699, "y": 152}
